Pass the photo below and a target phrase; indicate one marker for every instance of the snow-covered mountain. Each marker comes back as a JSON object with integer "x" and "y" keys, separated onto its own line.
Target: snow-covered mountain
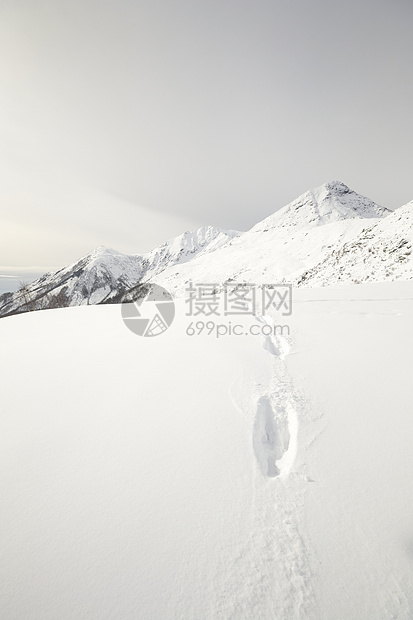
{"x": 325, "y": 232}
{"x": 380, "y": 252}
{"x": 331, "y": 202}
{"x": 105, "y": 273}
{"x": 284, "y": 245}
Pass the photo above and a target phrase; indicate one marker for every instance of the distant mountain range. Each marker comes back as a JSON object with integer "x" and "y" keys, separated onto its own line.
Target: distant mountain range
{"x": 105, "y": 275}
{"x": 329, "y": 235}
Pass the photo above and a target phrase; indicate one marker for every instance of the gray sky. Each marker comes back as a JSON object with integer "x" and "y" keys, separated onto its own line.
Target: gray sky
{"x": 124, "y": 123}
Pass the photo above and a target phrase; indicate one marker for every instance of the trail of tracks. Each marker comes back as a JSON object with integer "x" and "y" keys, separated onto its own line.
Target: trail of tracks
{"x": 270, "y": 576}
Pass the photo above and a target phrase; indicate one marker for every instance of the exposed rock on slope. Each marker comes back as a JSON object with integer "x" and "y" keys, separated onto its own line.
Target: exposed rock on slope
{"x": 380, "y": 252}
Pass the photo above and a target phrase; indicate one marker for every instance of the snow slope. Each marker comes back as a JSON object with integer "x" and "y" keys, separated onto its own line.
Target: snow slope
{"x": 196, "y": 477}
{"x": 133, "y": 480}
{"x": 380, "y": 252}
{"x": 352, "y": 358}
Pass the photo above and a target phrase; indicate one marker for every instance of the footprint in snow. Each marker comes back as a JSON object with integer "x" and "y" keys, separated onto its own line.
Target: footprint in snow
{"x": 271, "y": 437}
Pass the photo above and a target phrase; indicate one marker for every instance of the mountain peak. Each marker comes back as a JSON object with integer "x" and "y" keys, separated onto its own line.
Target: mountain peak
{"x": 102, "y": 252}
{"x": 336, "y": 187}
{"x": 331, "y": 202}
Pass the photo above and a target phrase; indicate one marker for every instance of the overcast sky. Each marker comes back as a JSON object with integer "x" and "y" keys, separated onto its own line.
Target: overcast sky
{"x": 126, "y": 122}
